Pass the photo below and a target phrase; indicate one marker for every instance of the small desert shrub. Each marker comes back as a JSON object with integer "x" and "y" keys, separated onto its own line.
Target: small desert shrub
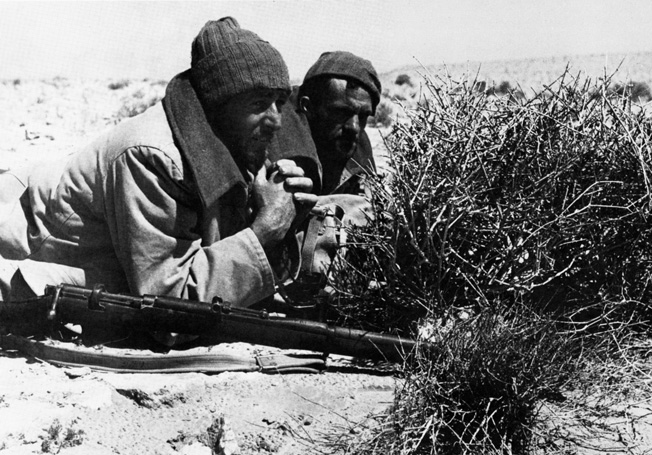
{"x": 57, "y": 438}
{"x": 635, "y": 91}
{"x": 504, "y": 89}
{"x": 58, "y": 82}
{"x": 478, "y": 389}
{"x": 403, "y": 79}
{"x": 117, "y": 85}
{"x": 137, "y": 103}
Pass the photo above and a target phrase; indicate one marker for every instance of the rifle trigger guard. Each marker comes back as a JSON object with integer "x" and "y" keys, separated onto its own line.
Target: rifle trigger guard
{"x": 94, "y": 298}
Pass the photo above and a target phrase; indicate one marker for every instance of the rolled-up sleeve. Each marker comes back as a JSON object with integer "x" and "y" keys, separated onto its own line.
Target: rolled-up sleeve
{"x": 154, "y": 225}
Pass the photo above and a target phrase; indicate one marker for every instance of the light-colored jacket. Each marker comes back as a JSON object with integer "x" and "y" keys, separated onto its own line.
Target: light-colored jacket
{"x": 124, "y": 211}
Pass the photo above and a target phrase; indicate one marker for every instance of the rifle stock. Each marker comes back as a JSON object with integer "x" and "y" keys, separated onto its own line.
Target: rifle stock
{"x": 213, "y": 321}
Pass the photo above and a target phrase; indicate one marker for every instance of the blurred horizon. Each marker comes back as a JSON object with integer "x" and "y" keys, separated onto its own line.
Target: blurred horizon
{"x": 151, "y": 39}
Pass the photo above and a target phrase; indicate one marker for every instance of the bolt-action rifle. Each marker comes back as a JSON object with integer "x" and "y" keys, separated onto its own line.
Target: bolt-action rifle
{"x": 215, "y": 322}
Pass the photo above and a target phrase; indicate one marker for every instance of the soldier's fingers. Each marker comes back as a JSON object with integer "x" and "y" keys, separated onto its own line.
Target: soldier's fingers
{"x": 285, "y": 162}
{"x": 288, "y": 168}
{"x": 306, "y": 199}
{"x": 294, "y": 184}
{"x": 261, "y": 175}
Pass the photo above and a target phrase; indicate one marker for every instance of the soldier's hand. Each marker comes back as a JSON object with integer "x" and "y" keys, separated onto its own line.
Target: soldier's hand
{"x": 274, "y": 205}
{"x": 295, "y": 182}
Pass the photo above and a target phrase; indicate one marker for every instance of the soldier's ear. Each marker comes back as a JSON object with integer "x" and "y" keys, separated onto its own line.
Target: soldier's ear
{"x": 306, "y": 106}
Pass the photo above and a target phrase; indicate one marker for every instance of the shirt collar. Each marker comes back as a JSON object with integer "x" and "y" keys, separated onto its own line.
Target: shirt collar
{"x": 212, "y": 166}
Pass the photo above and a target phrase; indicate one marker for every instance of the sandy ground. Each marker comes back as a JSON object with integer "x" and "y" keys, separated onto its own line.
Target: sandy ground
{"x": 109, "y": 413}
{"x": 50, "y": 409}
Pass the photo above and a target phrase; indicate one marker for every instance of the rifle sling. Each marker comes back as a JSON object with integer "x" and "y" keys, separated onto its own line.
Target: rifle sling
{"x": 161, "y": 363}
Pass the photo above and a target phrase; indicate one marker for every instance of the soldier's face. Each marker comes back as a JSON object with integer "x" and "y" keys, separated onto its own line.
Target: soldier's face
{"x": 247, "y": 123}
{"x": 336, "y": 122}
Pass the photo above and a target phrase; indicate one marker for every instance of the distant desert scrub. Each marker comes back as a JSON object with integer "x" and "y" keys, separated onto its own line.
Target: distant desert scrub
{"x": 384, "y": 115}
{"x": 532, "y": 75}
{"x": 403, "y": 79}
{"x": 120, "y": 84}
{"x": 143, "y": 95}
{"x": 635, "y": 91}
{"x": 514, "y": 235}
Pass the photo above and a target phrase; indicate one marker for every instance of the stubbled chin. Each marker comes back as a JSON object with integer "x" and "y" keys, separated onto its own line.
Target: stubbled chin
{"x": 345, "y": 149}
{"x": 348, "y": 153}
{"x": 255, "y": 158}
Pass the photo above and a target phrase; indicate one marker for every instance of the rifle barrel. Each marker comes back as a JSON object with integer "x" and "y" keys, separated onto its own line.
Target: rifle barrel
{"x": 216, "y": 322}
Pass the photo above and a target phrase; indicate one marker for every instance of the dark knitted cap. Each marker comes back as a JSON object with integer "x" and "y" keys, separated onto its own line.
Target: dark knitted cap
{"x": 348, "y": 66}
{"x": 227, "y": 60}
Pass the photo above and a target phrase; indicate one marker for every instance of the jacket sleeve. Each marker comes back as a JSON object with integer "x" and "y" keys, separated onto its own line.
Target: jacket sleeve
{"x": 154, "y": 228}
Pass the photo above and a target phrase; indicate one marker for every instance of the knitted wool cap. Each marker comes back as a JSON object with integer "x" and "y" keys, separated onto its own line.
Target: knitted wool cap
{"x": 227, "y": 60}
{"x": 347, "y": 65}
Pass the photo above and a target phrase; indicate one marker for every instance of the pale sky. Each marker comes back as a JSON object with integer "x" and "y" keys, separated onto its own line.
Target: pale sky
{"x": 115, "y": 39}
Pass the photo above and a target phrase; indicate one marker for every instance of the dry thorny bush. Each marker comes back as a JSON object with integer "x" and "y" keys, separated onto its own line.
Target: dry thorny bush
{"x": 515, "y": 233}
